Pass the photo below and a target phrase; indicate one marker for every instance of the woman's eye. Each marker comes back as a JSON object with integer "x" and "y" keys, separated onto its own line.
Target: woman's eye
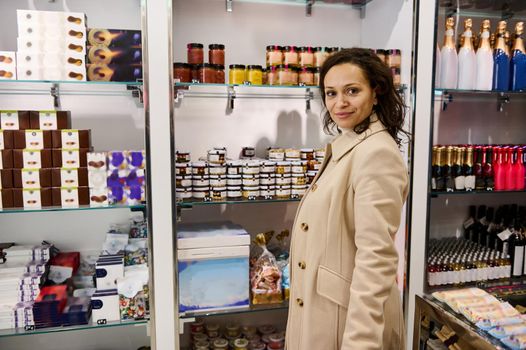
{"x": 351, "y": 91}
{"x": 330, "y": 93}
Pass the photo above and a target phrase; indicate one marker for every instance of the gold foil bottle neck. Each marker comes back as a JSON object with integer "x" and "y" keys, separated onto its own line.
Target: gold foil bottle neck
{"x": 450, "y": 23}
{"x": 468, "y": 160}
{"x": 518, "y": 44}
{"x": 449, "y": 34}
{"x": 519, "y": 28}
{"x": 261, "y": 240}
{"x": 501, "y": 28}
{"x": 449, "y": 155}
{"x": 486, "y": 25}
{"x": 468, "y": 24}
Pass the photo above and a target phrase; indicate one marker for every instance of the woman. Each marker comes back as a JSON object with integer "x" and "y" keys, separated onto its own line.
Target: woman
{"x": 343, "y": 258}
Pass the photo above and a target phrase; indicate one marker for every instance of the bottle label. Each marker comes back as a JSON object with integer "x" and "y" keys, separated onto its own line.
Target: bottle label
{"x": 504, "y": 235}
{"x": 460, "y": 182}
{"x": 450, "y": 32}
{"x": 468, "y": 34}
{"x": 518, "y": 261}
{"x": 469, "y": 222}
{"x": 470, "y": 182}
{"x": 484, "y": 35}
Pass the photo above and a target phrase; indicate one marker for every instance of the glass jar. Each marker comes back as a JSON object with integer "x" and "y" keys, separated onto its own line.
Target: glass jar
{"x": 200, "y": 181}
{"x": 283, "y": 167}
{"x": 333, "y": 50}
{"x": 220, "y": 73}
{"x": 250, "y": 192}
{"x": 250, "y": 180}
{"x": 307, "y": 154}
{"x": 218, "y": 180}
{"x": 234, "y": 192}
{"x": 216, "y": 156}
{"x": 255, "y": 75}
{"x": 232, "y": 330}
{"x": 267, "y": 191}
{"x": 200, "y": 192}
{"x": 299, "y": 167}
{"x": 306, "y": 76}
{"x": 277, "y": 154}
{"x": 317, "y": 76}
{"x": 197, "y": 327}
{"x": 319, "y": 153}
{"x": 258, "y": 346}
{"x": 201, "y": 345}
{"x": 183, "y": 193}
{"x": 396, "y": 77}
{"x": 182, "y": 157}
{"x": 311, "y": 174}
{"x": 182, "y": 169}
{"x": 267, "y": 179}
{"x": 313, "y": 165}
{"x": 381, "y": 55}
{"x": 183, "y": 181}
{"x": 292, "y": 154}
{"x": 320, "y": 55}
{"x": 199, "y": 337}
{"x": 299, "y": 179}
{"x": 248, "y": 331}
{"x": 248, "y": 152}
{"x": 212, "y": 330}
{"x": 267, "y": 166}
{"x": 240, "y": 344}
{"x": 287, "y": 75}
{"x": 276, "y": 341}
{"x": 306, "y": 56}
{"x": 182, "y": 72}
{"x": 274, "y": 55}
{"x": 237, "y": 74}
{"x": 283, "y": 179}
{"x": 195, "y": 53}
{"x": 207, "y": 73}
{"x": 216, "y": 169}
{"x": 199, "y": 168}
{"x": 218, "y": 193}
{"x": 290, "y": 55}
{"x": 251, "y": 167}
{"x": 216, "y": 54}
{"x": 234, "y": 180}
{"x": 234, "y": 167}
{"x": 272, "y": 76}
{"x": 282, "y": 192}
{"x": 194, "y": 69}
{"x": 220, "y": 344}
{"x": 394, "y": 58}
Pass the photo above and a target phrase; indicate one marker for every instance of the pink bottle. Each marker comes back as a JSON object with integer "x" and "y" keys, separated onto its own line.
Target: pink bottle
{"x": 519, "y": 170}
{"x": 497, "y": 168}
{"x": 509, "y": 179}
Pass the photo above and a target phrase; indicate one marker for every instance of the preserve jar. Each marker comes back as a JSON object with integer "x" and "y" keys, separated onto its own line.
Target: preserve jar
{"x": 220, "y": 73}
{"x": 267, "y": 166}
{"x": 277, "y": 154}
{"x": 251, "y": 167}
{"x": 183, "y": 181}
{"x": 290, "y": 55}
{"x": 274, "y": 55}
{"x": 218, "y": 193}
{"x": 240, "y": 344}
{"x": 197, "y": 327}
{"x": 283, "y": 179}
{"x": 234, "y": 167}
{"x": 248, "y": 331}
{"x": 237, "y": 75}
{"x": 194, "y": 69}
{"x": 320, "y": 55}
{"x": 248, "y": 152}
{"x": 195, "y": 53}
{"x": 292, "y": 154}
{"x": 183, "y": 192}
{"x": 255, "y": 75}
{"x": 283, "y": 167}
{"x": 201, "y": 345}
{"x": 306, "y": 76}
{"x": 232, "y": 330}
{"x": 182, "y": 157}
{"x": 234, "y": 180}
{"x": 199, "y": 168}
{"x": 313, "y": 165}
{"x": 220, "y": 344}
{"x": 282, "y": 192}
{"x": 276, "y": 341}
{"x": 258, "y": 346}
{"x": 250, "y": 180}
{"x": 393, "y": 58}
{"x": 267, "y": 191}
{"x": 299, "y": 179}
{"x": 182, "y": 72}
{"x": 311, "y": 174}
{"x": 199, "y": 337}
{"x": 306, "y": 56}
{"x": 250, "y": 192}
{"x": 207, "y": 73}
{"x": 218, "y": 180}
{"x": 287, "y": 75}
{"x": 272, "y": 76}
{"x": 200, "y": 181}
{"x": 216, "y": 169}
{"x": 212, "y": 330}
{"x": 216, "y": 156}
{"x": 201, "y": 192}
{"x": 267, "y": 179}
{"x": 317, "y": 76}
{"x": 307, "y": 154}
{"x": 216, "y": 54}
{"x": 299, "y": 167}
{"x": 234, "y": 192}
{"x": 183, "y": 169}
{"x": 319, "y": 153}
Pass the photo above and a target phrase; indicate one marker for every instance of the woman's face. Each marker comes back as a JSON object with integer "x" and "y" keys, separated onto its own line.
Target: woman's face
{"x": 349, "y": 97}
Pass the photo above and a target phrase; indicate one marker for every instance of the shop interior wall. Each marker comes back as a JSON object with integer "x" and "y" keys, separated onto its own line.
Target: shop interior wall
{"x": 117, "y": 123}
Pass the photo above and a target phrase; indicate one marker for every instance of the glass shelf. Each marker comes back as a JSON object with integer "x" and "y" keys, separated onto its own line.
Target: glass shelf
{"x": 439, "y": 92}
{"x": 516, "y": 11}
{"x": 435, "y": 194}
{"x": 106, "y": 83}
{"x": 21, "y": 331}
{"x": 192, "y": 203}
{"x": 352, "y": 3}
{"x": 206, "y": 85}
{"x": 82, "y": 207}
{"x": 253, "y": 308}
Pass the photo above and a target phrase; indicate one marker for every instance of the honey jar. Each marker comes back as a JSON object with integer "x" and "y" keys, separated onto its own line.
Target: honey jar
{"x": 237, "y": 74}
{"x": 233, "y": 192}
{"x": 320, "y": 55}
{"x": 306, "y": 56}
{"x": 182, "y": 72}
{"x": 255, "y": 75}
{"x": 306, "y": 76}
{"x": 287, "y": 75}
{"x": 182, "y": 157}
{"x": 272, "y": 76}
{"x": 218, "y": 193}
{"x": 274, "y": 55}
{"x": 290, "y": 55}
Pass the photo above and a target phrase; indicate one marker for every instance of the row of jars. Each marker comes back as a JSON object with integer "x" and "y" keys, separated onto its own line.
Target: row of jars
{"x": 216, "y": 53}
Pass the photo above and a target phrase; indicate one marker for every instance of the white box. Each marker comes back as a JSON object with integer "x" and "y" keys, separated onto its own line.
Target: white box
{"x": 51, "y": 45}
{"x": 7, "y": 65}
{"x": 41, "y": 60}
{"x": 107, "y": 273}
{"x": 98, "y": 197}
{"x": 26, "y": 18}
{"x": 105, "y": 306}
{"x": 29, "y": 73}
{"x": 213, "y": 234}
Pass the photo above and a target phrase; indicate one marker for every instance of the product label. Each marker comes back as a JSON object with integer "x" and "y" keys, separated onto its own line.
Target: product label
{"x": 69, "y": 197}
{"x": 485, "y": 35}
{"x": 9, "y": 120}
{"x": 31, "y": 159}
{"x": 468, "y": 34}
{"x": 30, "y": 178}
{"x": 99, "y": 196}
{"x": 450, "y": 32}
{"x": 59, "y": 274}
{"x": 469, "y": 183}
{"x": 69, "y": 178}
{"x": 31, "y": 198}
{"x": 70, "y": 139}
{"x": 504, "y": 235}
{"x": 70, "y": 159}
{"x": 34, "y": 139}
{"x": 459, "y": 182}
{"x": 2, "y": 140}
{"x": 48, "y": 120}
{"x": 518, "y": 261}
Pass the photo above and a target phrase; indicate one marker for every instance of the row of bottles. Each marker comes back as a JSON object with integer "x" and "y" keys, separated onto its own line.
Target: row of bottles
{"x": 485, "y": 62}
{"x": 480, "y": 167}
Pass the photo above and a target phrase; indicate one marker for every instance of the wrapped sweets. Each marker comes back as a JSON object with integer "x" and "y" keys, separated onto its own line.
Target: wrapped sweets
{"x": 265, "y": 277}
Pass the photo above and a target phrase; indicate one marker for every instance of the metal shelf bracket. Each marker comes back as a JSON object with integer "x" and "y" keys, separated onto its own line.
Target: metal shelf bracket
{"x": 54, "y": 92}
{"x": 502, "y": 100}
{"x": 229, "y": 5}
{"x": 230, "y": 98}
{"x": 308, "y": 8}
{"x": 309, "y": 96}
{"x": 447, "y": 98}
{"x": 137, "y": 92}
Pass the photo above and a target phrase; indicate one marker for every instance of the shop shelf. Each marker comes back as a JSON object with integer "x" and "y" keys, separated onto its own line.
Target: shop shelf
{"x": 105, "y": 83}
{"x": 353, "y": 3}
{"x": 496, "y": 10}
{"x": 253, "y": 308}
{"x": 476, "y": 93}
{"x": 435, "y": 194}
{"x": 82, "y": 207}
{"x": 22, "y": 332}
{"x": 192, "y": 203}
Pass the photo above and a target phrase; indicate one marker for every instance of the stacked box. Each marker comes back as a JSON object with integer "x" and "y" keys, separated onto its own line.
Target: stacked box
{"x": 97, "y": 167}
{"x": 7, "y": 65}
{"x": 51, "y": 45}
{"x": 114, "y": 55}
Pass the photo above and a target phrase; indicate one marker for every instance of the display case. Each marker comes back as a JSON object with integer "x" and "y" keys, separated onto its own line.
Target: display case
{"x": 457, "y": 117}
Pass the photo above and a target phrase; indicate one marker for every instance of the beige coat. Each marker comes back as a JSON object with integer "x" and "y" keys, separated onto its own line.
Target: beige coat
{"x": 343, "y": 259}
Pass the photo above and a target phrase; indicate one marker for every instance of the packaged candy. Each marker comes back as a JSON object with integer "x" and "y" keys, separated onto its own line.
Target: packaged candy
{"x": 133, "y": 293}
{"x": 500, "y": 332}
{"x": 136, "y": 253}
{"x": 265, "y": 277}
{"x": 139, "y": 226}
{"x": 515, "y": 342}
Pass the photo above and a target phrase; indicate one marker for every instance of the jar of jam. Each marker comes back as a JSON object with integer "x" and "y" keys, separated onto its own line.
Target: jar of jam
{"x": 234, "y": 180}
{"x": 274, "y": 55}
{"x": 216, "y": 169}
{"x": 267, "y": 179}
{"x": 277, "y": 154}
{"x": 306, "y": 76}
{"x": 299, "y": 179}
{"x": 250, "y": 180}
{"x": 319, "y": 153}
{"x": 234, "y": 192}
{"x": 218, "y": 180}
{"x": 240, "y": 344}
{"x": 290, "y": 55}
{"x": 232, "y": 330}
{"x": 317, "y": 76}
{"x": 311, "y": 174}
{"x": 237, "y": 75}
{"x": 199, "y": 168}
{"x": 183, "y": 181}
{"x": 212, "y": 330}
{"x": 199, "y": 337}
{"x": 220, "y": 73}
{"x": 276, "y": 341}
{"x": 282, "y": 192}
{"x": 283, "y": 167}
{"x": 272, "y": 76}
{"x": 287, "y": 75}
{"x": 195, "y": 53}
{"x": 255, "y": 75}
{"x": 267, "y": 166}
{"x": 194, "y": 69}
{"x": 216, "y": 156}
{"x": 216, "y": 54}
{"x": 218, "y": 193}
{"x": 183, "y": 193}
{"x": 200, "y": 181}
{"x": 182, "y": 72}
{"x": 283, "y": 179}
{"x": 183, "y": 169}
{"x": 220, "y": 344}
{"x": 394, "y": 58}
{"x": 201, "y": 345}
{"x": 207, "y": 73}
{"x": 292, "y": 154}
{"x": 197, "y": 326}
{"x": 182, "y": 157}
{"x": 313, "y": 165}
{"x": 299, "y": 167}
{"x": 248, "y": 331}
{"x": 248, "y": 152}
{"x": 307, "y": 154}
{"x": 250, "y": 192}
{"x": 251, "y": 167}
{"x": 258, "y": 346}
{"x": 234, "y": 167}
{"x": 306, "y": 56}
{"x": 320, "y": 55}
{"x": 267, "y": 191}
{"x": 200, "y": 192}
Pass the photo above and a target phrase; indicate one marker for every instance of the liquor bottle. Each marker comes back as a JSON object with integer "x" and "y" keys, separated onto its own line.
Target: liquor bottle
{"x": 468, "y": 169}
{"x": 434, "y": 169}
{"x": 484, "y": 73}
{"x": 447, "y": 170}
{"x": 458, "y": 169}
{"x": 449, "y": 58}
{"x": 518, "y": 170}
{"x": 439, "y": 176}
{"x": 516, "y": 248}
{"x": 509, "y": 160}
{"x": 518, "y": 60}
{"x": 437, "y": 67}
{"x": 469, "y": 233}
{"x": 498, "y": 174}
{"x": 478, "y": 169}
{"x": 501, "y": 60}
{"x": 467, "y": 60}
{"x": 487, "y": 169}
{"x": 491, "y": 234}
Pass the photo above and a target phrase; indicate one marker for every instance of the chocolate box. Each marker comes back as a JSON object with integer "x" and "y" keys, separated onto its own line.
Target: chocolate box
{"x": 7, "y": 65}
{"x": 50, "y": 120}
{"x": 32, "y": 198}
{"x": 98, "y": 196}
{"x": 6, "y": 160}
{"x": 106, "y": 55}
{"x": 32, "y": 159}
{"x": 70, "y": 158}
{"x": 32, "y": 139}
{"x": 6, "y": 198}
{"x": 6, "y": 139}
{"x": 114, "y": 37}
{"x": 71, "y": 139}
{"x": 32, "y": 178}
{"x": 6, "y": 178}
{"x": 62, "y": 177}
{"x": 14, "y": 120}
{"x": 114, "y": 72}
{"x": 97, "y": 161}
{"x": 71, "y": 197}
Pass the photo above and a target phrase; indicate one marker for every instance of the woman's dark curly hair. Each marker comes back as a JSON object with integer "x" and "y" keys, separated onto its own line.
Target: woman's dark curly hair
{"x": 390, "y": 108}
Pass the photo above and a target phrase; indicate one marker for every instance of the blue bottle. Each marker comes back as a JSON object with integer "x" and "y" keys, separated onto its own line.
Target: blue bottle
{"x": 501, "y": 61}
{"x": 518, "y": 60}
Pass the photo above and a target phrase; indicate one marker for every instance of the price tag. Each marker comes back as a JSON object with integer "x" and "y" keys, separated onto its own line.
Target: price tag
{"x": 102, "y": 321}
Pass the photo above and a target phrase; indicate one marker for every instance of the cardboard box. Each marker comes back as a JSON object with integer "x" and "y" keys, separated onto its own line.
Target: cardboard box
{"x": 50, "y": 120}
{"x": 61, "y": 46}
{"x": 32, "y": 198}
{"x": 14, "y": 120}
{"x": 114, "y": 37}
{"x": 55, "y": 60}
{"x": 6, "y": 198}
{"x": 106, "y": 55}
{"x": 99, "y": 197}
{"x": 32, "y": 159}
{"x": 70, "y": 158}
{"x": 97, "y": 161}
{"x": 114, "y": 72}
{"x": 105, "y": 306}
{"x": 62, "y": 177}
{"x": 7, "y": 65}
{"x": 6, "y": 139}
{"x": 32, "y": 139}
{"x": 70, "y": 197}
{"x": 50, "y": 19}
{"x": 6, "y": 178}
{"x": 32, "y": 178}
{"x": 70, "y": 139}
{"x": 6, "y": 159}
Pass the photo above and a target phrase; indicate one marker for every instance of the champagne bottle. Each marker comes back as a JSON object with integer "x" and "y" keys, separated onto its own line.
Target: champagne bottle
{"x": 447, "y": 170}
{"x": 478, "y": 168}
{"x": 449, "y": 58}
{"x": 501, "y": 60}
{"x": 518, "y": 60}
{"x": 439, "y": 176}
{"x": 467, "y": 60}
{"x": 434, "y": 169}
{"x": 487, "y": 169}
{"x": 484, "y": 73}
{"x": 458, "y": 169}
{"x": 468, "y": 169}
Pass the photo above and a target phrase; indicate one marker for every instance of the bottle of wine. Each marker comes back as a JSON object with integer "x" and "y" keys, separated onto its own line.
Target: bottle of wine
{"x": 491, "y": 234}
{"x": 518, "y": 60}
{"x": 501, "y": 60}
{"x": 487, "y": 169}
{"x": 449, "y": 58}
{"x": 439, "y": 175}
{"x": 469, "y": 224}
{"x": 458, "y": 169}
{"x": 498, "y": 171}
{"x": 447, "y": 170}
{"x": 480, "y": 235}
{"x": 516, "y": 247}
{"x": 434, "y": 169}
{"x": 484, "y": 56}
{"x": 468, "y": 169}
{"x": 518, "y": 170}
{"x": 467, "y": 60}
{"x": 509, "y": 182}
{"x": 478, "y": 168}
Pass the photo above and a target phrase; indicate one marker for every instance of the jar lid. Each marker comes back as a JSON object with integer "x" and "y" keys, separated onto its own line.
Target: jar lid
{"x": 217, "y": 151}
{"x": 233, "y": 188}
{"x": 311, "y": 173}
{"x": 307, "y": 69}
{"x": 274, "y": 47}
{"x": 205, "y": 65}
{"x": 182, "y": 152}
{"x": 216, "y": 47}
{"x": 394, "y": 52}
{"x": 181, "y": 65}
{"x": 194, "y": 46}
{"x": 299, "y": 187}
{"x": 183, "y": 165}
{"x": 201, "y": 188}
{"x": 234, "y": 163}
{"x": 267, "y": 187}
{"x": 288, "y": 66}
{"x": 252, "y": 163}
{"x": 233, "y": 176}
{"x": 237, "y": 66}
{"x": 298, "y": 175}
{"x": 183, "y": 189}
{"x": 199, "y": 164}
{"x": 283, "y": 163}
{"x": 241, "y": 343}
{"x": 306, "y": 49}
{"x": 251, "y": 188}
{"x": 221, "y": 188}
{"x": 268, "y": 163}
{"x": 289, "y": 48}
{"x": 276, "y": 337}
{"x": 307, "y": 150}
{"x": 253, "y": 67}
{"x": 219, "y": 66}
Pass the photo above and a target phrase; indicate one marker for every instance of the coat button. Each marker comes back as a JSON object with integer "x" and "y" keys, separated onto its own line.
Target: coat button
{"x": 304, "y": 227}
{"x": 313, "y": 187}
{"x": 302, "y": 265}
{"x": 300, "y": 302}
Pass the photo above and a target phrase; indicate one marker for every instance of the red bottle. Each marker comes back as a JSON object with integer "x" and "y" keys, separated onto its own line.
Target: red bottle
{"x": 519, "y": 170}
{"x": 509, "y": 179}
{"x": 497, "y": 168}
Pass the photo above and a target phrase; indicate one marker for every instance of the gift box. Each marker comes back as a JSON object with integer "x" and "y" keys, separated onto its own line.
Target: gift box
{"x": 32, "y": 139}
{"x": 32, "y": 159}
{"x": 6, "y": 139}
{"x": 105, "y": 306}
{"x": 32, "y": 178}
{"x": 14, "y": 120}
{"x": 50, "y": 120}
